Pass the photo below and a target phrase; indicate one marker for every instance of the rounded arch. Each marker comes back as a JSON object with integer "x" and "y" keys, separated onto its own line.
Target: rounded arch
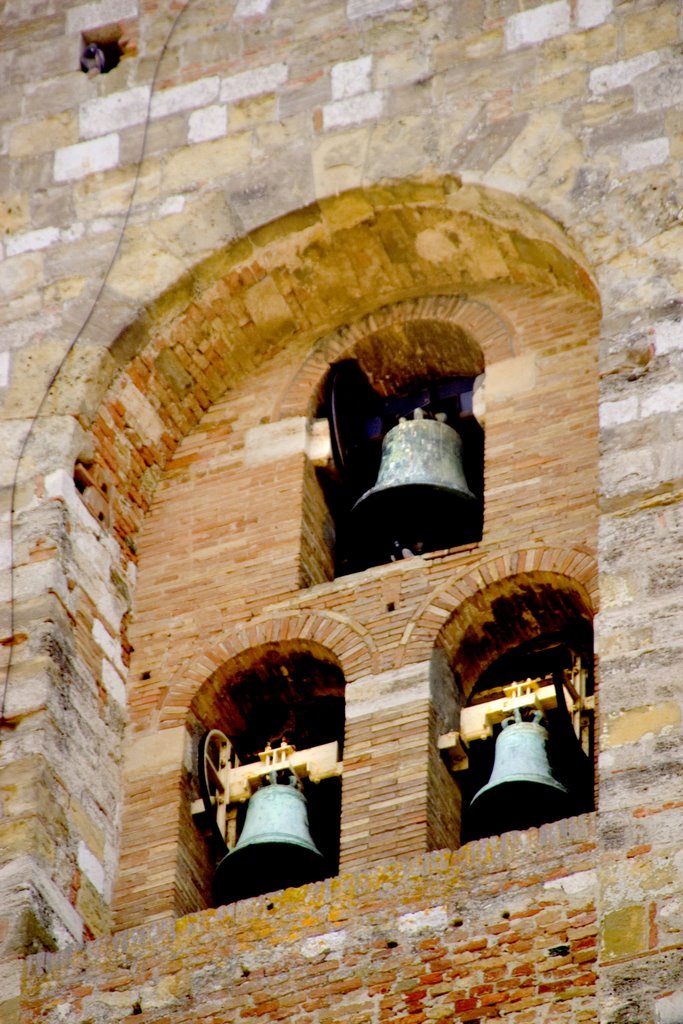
{"x": 333, "y": 636}
{"x": 303, "y": 278}
{"x": 440, "y": 618}
{"x": 464, "y": 334}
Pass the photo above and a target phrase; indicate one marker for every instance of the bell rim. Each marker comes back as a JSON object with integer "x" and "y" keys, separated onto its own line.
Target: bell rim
{"x": 376, "y": 490}
{"x": 548, "y": 782}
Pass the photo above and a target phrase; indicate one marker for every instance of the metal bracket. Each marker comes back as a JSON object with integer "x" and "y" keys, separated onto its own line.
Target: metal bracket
{"x": 478, "y": 720}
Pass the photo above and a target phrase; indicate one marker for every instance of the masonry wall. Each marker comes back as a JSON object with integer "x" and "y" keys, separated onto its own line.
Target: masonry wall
{"x": 503, "y": 924}
{"x": 251, "y": 193}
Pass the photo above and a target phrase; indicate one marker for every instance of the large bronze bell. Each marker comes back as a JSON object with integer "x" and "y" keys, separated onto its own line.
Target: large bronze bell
{"x": 421, "y": 495}
{"x": 522, "y": 792}
{"x": 274, "y": 850}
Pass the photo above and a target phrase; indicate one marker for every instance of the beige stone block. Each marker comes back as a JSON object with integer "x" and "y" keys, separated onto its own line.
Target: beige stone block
{"x": 553, "y": 91}
{"x": 111, "y": 192}
{"x": 67, "y": 288}
{"x": 91, "y": 835}
{"x": 93, "y": 910}
{"x": 624, "y": 932}
{"x": 632, "y": 725}
{"x": 267, "y": 307}
{"x": 145, "y": 268}
{"x": 196, "y": 165}
{"x": 21, "y": 274}
{"x": 509, "y": 377}
{"x": 155, "y": 753}
{"x": 674, "y": 129}
{"x": 253, "y": 111}
{"x": 651, "y": 29}
{"x": 605, "y": 111}
{"x": 338, "y": 161}
{"x": 617, "y": 589}
{"x": 399, "y": 149}
{"x": 140, "y": 414}
{"x": 13, "y": 212}
{"x": 88, "y": 370}
{"x": 346, "y": 211}
{"x": 44, "y": 136}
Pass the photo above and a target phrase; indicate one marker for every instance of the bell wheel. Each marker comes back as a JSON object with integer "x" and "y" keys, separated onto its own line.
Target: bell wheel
{"x": 215, "y": 758}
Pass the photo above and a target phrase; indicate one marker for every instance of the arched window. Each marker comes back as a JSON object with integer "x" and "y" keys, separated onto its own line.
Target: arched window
{"x": 524, "y": 667}
{"x": 407, "y": 475}
{"x": 290, "y": 695}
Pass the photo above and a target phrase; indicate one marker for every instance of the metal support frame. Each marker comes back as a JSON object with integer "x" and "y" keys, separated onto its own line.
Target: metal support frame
{"x": 225, "y": 782}
{"x": 478, "y": 720}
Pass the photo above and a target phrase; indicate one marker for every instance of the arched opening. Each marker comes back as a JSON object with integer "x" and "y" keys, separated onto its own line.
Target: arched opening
{"x": 522, "y": 658}
{"x": 289, "y": 693}
{"x": 407, "y": 474}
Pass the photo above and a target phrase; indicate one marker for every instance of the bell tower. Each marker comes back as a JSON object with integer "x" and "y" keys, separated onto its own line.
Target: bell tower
{"x": 339, "y": 387}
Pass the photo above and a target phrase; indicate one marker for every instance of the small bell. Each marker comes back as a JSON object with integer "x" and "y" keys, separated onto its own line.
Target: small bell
{"x": 522, "y": 792}
{"x": 275, "y": 849}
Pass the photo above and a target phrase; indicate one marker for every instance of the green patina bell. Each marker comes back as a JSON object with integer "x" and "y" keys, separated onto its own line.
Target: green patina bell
{"x": 522, "y": 791}
{"x": 275, "y": 849}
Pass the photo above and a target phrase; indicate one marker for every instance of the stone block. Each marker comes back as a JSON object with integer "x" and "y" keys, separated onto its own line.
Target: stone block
{"x": 207, "y": 123}
{"x": 353, "y": 110}
{"x": 205, "y": 161}
{"x": 251, "y": 8}
{"x": 339, "y": 160}
{"x": 14, "y": 212}
{"x": 641, "y": 155}
{"x": 669, "y": 1008}
{"x": 33, "y": 137}
{"x": 372, "y": 8}
{"x": 253, "y": 82}
{"x": 179, "y": 98}
{"x": 351, "y": 77}
{"x": 536, "y": 25}
{"x": 268, "y": 308}
{"x": 74, "y": 162}
{"x": 155, "y": 753}
{"x": 31, "y": 241}
{"x": 637, "y": 723}
{"x": 625, "y": 932}
{"x": 590, "y": 13}
{"x": 99, "y": 13}
{"x": 622, "y": 73}
{"x": 111, "y": 113}
{"x": 20, "y": 274}
{"x": 651, "y": 29}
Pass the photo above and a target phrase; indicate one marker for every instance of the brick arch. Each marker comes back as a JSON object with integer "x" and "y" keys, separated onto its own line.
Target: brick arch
{"x": 485, "y": 329}
{"x": 346, "y": 641}
{"x": 303, "y": 278}
{"x": 433, "y": 623}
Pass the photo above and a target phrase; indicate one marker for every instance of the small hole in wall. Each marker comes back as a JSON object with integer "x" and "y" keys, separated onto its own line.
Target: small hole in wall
{"x": 102, "y": 48}
{"x": 146, "y": 674}
{"x": 99, "y": 58}
{"x": 391, "y": 606}
{"x": 392, "y": 944}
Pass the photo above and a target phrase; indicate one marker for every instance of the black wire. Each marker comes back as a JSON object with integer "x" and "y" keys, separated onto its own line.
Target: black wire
{"x": 29, "y": 433}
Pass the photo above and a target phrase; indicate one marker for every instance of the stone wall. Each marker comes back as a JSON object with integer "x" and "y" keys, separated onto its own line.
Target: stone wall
{"x": 253, "y": 191}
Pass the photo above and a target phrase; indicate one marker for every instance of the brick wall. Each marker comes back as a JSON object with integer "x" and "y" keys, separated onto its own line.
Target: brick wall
{"x": 443, "y": 936}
